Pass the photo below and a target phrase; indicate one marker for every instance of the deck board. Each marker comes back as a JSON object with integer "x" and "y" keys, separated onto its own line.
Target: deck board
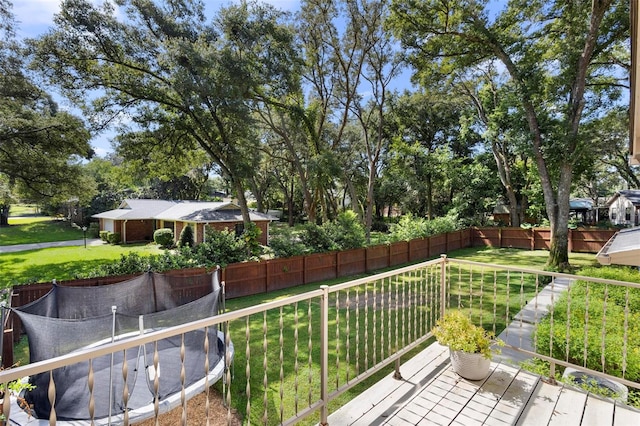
{"x": 597, "y": 411}
{"x": 432, "y": 394}
{"x": 568, "y": 407}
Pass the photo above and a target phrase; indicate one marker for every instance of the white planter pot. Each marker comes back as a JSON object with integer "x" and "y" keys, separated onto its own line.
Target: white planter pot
{"x": 470, "y": 366}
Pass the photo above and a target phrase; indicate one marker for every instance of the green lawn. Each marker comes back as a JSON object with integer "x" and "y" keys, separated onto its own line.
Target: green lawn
{"x": 61, "y": 263}
{"x": 37, "y": 230}
{"x": 522, "y": 258}
{"x": 23, "y": 210}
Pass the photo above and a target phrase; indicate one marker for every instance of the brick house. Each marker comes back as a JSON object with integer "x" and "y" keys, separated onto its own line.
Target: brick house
{"x": 137, "y": 219}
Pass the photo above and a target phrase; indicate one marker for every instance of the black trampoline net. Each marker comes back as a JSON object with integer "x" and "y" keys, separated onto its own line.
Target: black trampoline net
{"x": 68, "y": 319}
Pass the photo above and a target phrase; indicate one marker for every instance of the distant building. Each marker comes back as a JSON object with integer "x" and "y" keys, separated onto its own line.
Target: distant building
{"x": 137, "y": 219}
{"x": 624, "y": 208}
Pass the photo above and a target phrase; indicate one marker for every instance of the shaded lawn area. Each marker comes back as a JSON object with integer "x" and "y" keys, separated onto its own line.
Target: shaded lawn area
{"x": 519, "y": 258}
{"x": 62, "y": 263}
{"x": 37, "y": 230}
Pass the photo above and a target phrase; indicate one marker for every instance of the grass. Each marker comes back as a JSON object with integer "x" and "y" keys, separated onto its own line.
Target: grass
{"x": 23, "y": 210}
{"x": 264, "y": 330}
{"x": 62, "y": 263}
{"x": 37, "y": 230}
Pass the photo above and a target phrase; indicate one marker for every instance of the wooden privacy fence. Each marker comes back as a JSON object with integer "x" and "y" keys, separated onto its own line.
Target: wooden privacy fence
{"x": 251, "y": 278}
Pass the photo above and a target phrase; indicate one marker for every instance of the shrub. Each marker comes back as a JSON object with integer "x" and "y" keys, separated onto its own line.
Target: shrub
{"x": 163, "y": 237}
{"x": 186, "y": 237}
{"x": 113, "y": 238}
{"x": 251, "y": 238}
{"x": 220, "y": 248}
{"x": 287, "y": 244}
{"x": 317, "y": 239}
{"x": 346, "y": 231}
{"x": 104, "y": 236}
{"x": 409, "y": 228}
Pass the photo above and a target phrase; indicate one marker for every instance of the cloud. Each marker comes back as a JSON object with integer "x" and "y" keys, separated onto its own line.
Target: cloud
{"x": 34, "y": 16}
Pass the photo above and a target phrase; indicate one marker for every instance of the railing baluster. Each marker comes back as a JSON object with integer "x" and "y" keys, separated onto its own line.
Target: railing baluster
{"x": 247, "y": 368}
{"x": 535, "y": 312}
{"x": 507, "y": 315}
{"x": 382, "y": 308}
{"x": 481, "y": 297}
{"x": 265, "y": 365}
{"x": 357, "y": 330}
{"x": 156, "y": 384}
{"x": 366, "y": 328}
{"x": 125, "y": 387}
{"x": 568, "y": 327}
{"x": 348, "y": 335}
{"x": 604, "y": 327}
{"x": 389, "y": 316}
{"x": 310, "y": 353}
{"x": 183, "y": 379}
{"x": 206, "y": 375}
{"x": 295, "y": 355}
{"x": 281, "y": 359}
{"x": 495, "y": 301}
{"x": 586, "y": 327}
{"x": 337, "y": 340}
{"x": 51, "y": 394}
{"x": 404, "y": 312}
{"x": 626, "y": 333}
{"x": 459, "y": 287}
{"x": 374, "y": 350}
{"x": 551, "y": 321}
{"x": 470, "y": 292}
{"x": 91, "y": 383}
{"x": 522, "y": 304}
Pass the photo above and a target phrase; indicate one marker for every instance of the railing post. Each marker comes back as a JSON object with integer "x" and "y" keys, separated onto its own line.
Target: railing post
{"x": 443, "y": 284}
{"x": 324, "y": 354}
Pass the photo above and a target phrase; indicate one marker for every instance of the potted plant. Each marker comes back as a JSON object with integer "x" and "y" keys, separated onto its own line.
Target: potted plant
{"x": 470, "y": 346}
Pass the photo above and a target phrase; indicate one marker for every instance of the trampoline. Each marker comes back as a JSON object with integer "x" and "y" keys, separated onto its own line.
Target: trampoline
{"x": 69, "y": 319}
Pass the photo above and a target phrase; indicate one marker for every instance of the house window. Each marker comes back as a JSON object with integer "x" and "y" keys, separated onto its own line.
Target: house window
{"x": 239, "y": 229}
{"x": 614, "y": 214}
{"x": 627, "y": 214}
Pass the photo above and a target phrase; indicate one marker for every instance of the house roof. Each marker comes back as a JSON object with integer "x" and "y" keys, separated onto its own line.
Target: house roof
{"x": 621, "y": 249}
{"x": 186, "y": 211}
{"x": 632, "y": 195}
{"x": 194, "y": 211}
{"x": 580, "y": 204}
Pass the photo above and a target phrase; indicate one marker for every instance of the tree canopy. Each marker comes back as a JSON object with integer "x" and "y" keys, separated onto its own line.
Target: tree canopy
{"x": 40, "y": 145}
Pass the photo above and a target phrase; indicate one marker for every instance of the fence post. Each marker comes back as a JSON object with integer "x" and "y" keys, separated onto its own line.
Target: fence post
{"x": 324, "y": 354}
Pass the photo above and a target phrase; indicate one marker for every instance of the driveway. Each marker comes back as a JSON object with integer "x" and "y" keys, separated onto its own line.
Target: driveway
{"x": 23, "y": 247}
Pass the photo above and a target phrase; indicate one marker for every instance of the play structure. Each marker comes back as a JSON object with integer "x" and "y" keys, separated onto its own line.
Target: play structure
{"x": 69, "y": 319}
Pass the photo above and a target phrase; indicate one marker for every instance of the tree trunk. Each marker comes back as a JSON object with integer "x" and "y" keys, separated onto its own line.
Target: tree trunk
{"x": 242, "y": 201}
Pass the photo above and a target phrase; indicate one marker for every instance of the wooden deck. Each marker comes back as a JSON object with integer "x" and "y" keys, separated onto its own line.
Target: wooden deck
{"x": 430, "y": 393}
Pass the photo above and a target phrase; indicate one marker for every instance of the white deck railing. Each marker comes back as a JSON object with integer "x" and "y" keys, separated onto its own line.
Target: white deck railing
{"x": 296, "y": 358}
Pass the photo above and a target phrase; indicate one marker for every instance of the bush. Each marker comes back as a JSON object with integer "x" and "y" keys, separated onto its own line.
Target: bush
{"x": 317, "y": 239}
{"x": 251, "y": 238}
{"x": 163, "y": 237}
{"x": 409, "y": 228}
{"x": 186, "y": 237}
{"x": 104, "y": 236}
{"x": 113, "y": 238}
{"x": 346, "y": 231}
{"x": 287, "y": 244}
{"x": 219, "y": 248}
